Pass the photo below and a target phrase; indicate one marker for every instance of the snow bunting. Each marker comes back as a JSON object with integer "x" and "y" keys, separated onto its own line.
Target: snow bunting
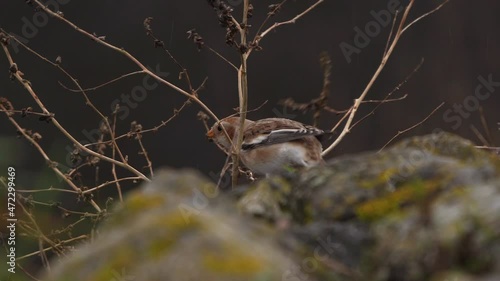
{"x": 272, "y": 144}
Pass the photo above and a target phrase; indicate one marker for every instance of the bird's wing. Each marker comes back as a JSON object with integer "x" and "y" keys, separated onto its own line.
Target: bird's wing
{"x": 280, "y": 136}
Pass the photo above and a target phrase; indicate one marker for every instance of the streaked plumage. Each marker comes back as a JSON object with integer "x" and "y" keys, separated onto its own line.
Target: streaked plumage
{"x": 271, "y": 144}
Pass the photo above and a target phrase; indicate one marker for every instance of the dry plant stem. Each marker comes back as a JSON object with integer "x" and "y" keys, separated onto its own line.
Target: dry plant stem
{"x": 485, "y": 125}
{"x": 51, "y": 205}
{"x": 396, "y": 14}
{"x": 357, "y": 102}
{"x": 293, "y": 20}
{"x": 80, "y": 89}
{"x": 27, "y": 273}
{"x": 387, "y": 99}
{"x": 326, "y": 65}
{"x": 145, "y": 153}
{"x": 45, "y": 190}
{"x": 105, "y": 83}
{"x": 184, "y": 71}
{"x": 388, "y": 53}
{"x": 154, "y": 129}
{"x": 243, "y": 94}
{"x": 38, "y": 231}
{"x": 27, "y": 113}
{"x": 49, "y": 162}
{"x": 425, "y": 15}
{"x": 243, "y": 78}
{"x": 224, "y": 170}
{"x": 129, "y": 56}
{"x": 487, "y": 147}
{"x": 109, "y": 183}
{"x": 62, "y": 243}
{"x": 479, "y": 135}
{"x": 269, "y": 15}
{"x": 376, "y": 107}
{"x": 341, "y": 120}
{"x": 412, "y": 127}
{"x": 43, "y": 256}
{"x": 223, "y": 58}
{"x": 243, "y": 90}
{"x": 26, "y": 84}
{"x": 113, "y": 166}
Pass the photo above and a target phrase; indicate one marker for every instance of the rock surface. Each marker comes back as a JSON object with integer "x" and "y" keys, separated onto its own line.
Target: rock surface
{"x": 425, "y": 209}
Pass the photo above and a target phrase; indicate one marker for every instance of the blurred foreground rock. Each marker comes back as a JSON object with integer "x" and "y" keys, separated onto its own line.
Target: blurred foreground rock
{"x": 425, "y": 209}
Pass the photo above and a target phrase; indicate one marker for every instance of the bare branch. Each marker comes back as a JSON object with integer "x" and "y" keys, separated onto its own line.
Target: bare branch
{"x": 128, "y": 55}
{"x": 412, "y": 127}
{"x": 357, "y": 102}
{"x": 103, "y": 84}
{"x": 51, "y": 164}
{"x": 293, "y": 20}
{"x": 27, "y": 85}
{"x": 425, "y": 15}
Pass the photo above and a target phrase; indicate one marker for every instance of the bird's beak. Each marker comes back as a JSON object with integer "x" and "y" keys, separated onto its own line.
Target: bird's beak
{"x": 210, "y": 135}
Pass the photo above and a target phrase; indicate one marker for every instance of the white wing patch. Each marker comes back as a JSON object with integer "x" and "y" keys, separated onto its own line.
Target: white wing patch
{"x": 281, "y": 136}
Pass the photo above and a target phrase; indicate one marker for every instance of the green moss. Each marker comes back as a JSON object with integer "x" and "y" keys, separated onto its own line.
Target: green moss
{"x": 158, "y": 247}
{"x": 233, "y": 261}
{"x": 414, "y": 190}
{"x": 140, "y": 202}
{"x": 176, "y": 226}
{"x": 381, "y": 180}
{"x": 123, "y": 257}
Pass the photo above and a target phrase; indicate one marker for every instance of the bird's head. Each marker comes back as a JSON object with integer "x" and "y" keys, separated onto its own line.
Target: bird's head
{"x": 229, "y": 125}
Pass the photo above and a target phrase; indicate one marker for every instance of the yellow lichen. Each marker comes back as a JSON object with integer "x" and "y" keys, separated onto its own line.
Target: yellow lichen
{"x": 142, "y": 202}
{"x": 123, "y": 257}
{"x": 233, "y": 261}
{"x": 409, "y": 192}
{"x": 382, "y": 179}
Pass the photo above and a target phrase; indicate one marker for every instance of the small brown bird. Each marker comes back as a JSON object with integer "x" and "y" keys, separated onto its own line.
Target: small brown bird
{"x": 272, "y": 144}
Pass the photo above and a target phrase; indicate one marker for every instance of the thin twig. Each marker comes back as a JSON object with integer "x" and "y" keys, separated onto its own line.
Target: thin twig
{"x": 127, "y": 55}
{"x": 401, "y": 29}
{"x": 75, "y": 81}
{"x": 153, "y": 129}
{"x": 27, "y": 273}
{"x": 41, "y": 236}
{"x": 222, "y": 57}
{"x": 159, "y": 43}
{"x": 485, "y": 125}
{"x": 62, "y": 243}
{"x": 412, "y": 127}
{"x": 425, "y": 15}
{"x": 480, "y": 136}
{"x": 109, "y": 183}
{"x": 386, "y": 99}
{"x": 103, "y": 84}
{"x": 113, "y": 166}
{"x": 269, "y": 15}
{"x": 52, "y": 165}
{"x": 226, "y": 166}
{"x": 27, "y": 85}
{"x": 45, "y": 190}
{"x": 390, "y": 33}
{"x": 292, "y": 21}
{"x": 487, "y": 147}
{"x": 357, "y": 102}
{"x": 24, "y": 112}
{"x": 242, "y": 93}
{"x": 145, "y": 154}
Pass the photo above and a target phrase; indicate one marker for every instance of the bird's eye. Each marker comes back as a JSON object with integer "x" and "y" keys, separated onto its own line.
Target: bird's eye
{"x": 219, "y": 128}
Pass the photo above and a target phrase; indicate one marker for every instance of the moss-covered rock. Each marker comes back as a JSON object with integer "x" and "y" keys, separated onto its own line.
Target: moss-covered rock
{"x": 425, "y": 209}
{"x": 426, "y": 206}
{"x": 175, "y": 229}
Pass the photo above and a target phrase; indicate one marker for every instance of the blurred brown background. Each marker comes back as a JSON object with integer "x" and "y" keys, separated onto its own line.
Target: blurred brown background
{"x": 459, "y": 43}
